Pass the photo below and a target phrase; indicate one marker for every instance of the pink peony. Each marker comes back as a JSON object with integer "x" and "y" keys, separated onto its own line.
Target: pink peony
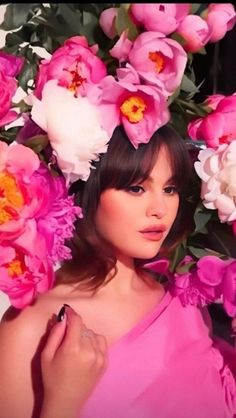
{"x": 159, "y": 17}
{"x": 219, "y": 126}
{"x": 34, "y": 203}
{"x": 220, "y": 19}
{"x": 140, "y": 109}
{"x": 23, "y": 275}
{"x": 217, "y": 169}
{"x": 8, "y": 86}
{"x": 73, "y": 66}
{"x": 159, "y": 61}
{"x": 195, "y": 32}
{"x": 15, "y": 192}
{"x": 10, "y": 65}
{"x": 209, "y": 280}
{"x": 107, "y": 22}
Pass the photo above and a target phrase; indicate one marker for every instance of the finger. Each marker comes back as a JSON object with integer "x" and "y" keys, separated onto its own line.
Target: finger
{"x": 102, "y": 343}
{"x": 74, "y": 327}
{"x": 54, "y": 340}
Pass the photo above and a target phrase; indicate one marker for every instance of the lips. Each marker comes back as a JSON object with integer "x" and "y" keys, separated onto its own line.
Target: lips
{"x": 154, "y": 228}
{"x": 154, "y": 233}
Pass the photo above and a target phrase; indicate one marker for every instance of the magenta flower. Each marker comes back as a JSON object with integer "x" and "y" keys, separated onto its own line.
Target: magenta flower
{"x": 10, "y": 65}
{"x": 219, "y": 127}
{"x": 209, "y": 280}
{"x": 22, "y": 274}
{"x": 140, "y": 109}
{"x": 55, "y": 213}
{"x": 8, "y": 86}
{"x": 160, "y": 17}
{"x": 33, "y": 202}
{"x": 159, "y": 61}
{"x": 73, "y": 65}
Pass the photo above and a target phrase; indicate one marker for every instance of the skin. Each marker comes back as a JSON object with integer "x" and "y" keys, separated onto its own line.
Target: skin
{"x": 54, "y": 355}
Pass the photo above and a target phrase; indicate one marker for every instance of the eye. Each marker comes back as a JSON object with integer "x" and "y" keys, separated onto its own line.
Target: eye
{"x": 135, "y": 189}
{"x": 170, "y": 190}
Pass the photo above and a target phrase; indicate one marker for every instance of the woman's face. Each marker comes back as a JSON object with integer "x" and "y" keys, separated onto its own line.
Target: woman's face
{"x": 136, "y": 221}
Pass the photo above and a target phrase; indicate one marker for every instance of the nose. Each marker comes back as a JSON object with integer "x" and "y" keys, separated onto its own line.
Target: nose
{"x": 157, "y": 206}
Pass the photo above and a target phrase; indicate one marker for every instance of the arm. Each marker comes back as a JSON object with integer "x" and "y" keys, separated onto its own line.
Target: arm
{"x": 20, "y": 335}
{"x": 71, "y": 365}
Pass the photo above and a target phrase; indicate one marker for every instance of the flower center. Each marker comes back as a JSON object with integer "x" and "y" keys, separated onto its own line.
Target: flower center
{"x": 16, "y": 267}
{"x": 133, "y": 108}
{"x": 158, "y": 59}
{"x": 76, "y": 79}
{"x": 11, "y": 199}
{"x": 225, "y": 139}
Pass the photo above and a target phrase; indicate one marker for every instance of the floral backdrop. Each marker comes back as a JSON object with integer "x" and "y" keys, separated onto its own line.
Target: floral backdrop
{"x": 134, "y": 62}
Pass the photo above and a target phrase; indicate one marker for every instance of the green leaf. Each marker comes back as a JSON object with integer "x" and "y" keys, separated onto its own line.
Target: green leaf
{"x": 123, "y": 22}
{"x": 197, "y": 252}
{"x": 185, "y": 268}
{"x": 188, "y": 86}
{"x": 16, "y": 15}
{"x": 37, "y": 143}
{"x": 201, "y": 219}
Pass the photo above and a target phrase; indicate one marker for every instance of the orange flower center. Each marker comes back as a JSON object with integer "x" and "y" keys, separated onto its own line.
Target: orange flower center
{"x": 16, "y": 267}
{"x": 158, "y": 59}
{"x": 133, "y": 108}
{"x": 11, "y": 199}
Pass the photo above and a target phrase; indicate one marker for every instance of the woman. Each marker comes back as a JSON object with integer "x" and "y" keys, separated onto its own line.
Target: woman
{"x": 122, "y": 346}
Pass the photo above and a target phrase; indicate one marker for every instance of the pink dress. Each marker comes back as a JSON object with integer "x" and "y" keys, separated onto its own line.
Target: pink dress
{"x": 165, "y": 367}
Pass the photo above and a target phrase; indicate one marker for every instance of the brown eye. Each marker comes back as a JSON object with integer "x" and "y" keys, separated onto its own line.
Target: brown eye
{"x": 170, "y": 190}
{"x": 135, "y": 189}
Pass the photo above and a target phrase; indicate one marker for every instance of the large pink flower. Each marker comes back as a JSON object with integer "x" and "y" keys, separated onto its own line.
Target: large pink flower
{"x": 195, "y": 32}
{"x": 73, "y": 65}
{"x": 140, "y": 109}
{"x": 8, "y": 86}
{"x": 160, "y": 17}
{"x": 34, "y": 203}
{"x": 22, "y": 274}
{"x": 217, "y": 169}
{"x": 209, "y": 280}
{"x": 219, "y": 126}
{"x": 17, "y": 165}
{"x": 220, "y": 19}
{"x": 159, "y": 60}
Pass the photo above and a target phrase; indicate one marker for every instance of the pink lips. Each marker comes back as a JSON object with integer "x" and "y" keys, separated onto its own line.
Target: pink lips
{"x": 154, "y": 233}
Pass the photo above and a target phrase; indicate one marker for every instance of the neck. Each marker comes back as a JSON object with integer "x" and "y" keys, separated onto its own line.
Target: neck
{"x": 126, "y": 278}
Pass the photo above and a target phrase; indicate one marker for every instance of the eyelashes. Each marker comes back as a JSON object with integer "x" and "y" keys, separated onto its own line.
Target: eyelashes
{"x": 137, "y": 189}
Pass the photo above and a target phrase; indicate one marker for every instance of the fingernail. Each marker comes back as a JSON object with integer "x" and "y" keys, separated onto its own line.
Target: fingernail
{"x": 61, "y": 314}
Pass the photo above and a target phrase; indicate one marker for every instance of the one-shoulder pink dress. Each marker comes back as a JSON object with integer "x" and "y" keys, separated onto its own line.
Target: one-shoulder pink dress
{"x": 165, "y": 367}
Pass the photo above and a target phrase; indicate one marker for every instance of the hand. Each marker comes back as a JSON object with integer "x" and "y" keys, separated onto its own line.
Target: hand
{"x": 72, "y": 362}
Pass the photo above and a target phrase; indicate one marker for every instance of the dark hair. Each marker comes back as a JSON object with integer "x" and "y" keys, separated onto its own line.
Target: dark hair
{"x": 121, "y": 166}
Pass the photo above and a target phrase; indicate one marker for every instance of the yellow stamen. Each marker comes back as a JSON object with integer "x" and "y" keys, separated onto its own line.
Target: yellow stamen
{"x": 15, "y": 268}
{"x": 76, "y": 79}
{"x": 159, "y": 60}
{"x": 11, "y": 198}
{"x": 133, "y": 108}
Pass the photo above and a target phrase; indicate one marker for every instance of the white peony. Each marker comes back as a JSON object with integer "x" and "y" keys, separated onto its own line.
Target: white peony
{"x": 217, "y": 169}
{"x": 73, "y": 127}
